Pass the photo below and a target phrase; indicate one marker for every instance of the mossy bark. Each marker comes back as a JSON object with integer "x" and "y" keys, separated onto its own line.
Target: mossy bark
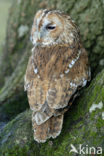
{"x": 82, "y": 125}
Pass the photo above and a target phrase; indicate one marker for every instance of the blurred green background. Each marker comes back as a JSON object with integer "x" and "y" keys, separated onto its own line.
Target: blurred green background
{"x": 4, "y": 9}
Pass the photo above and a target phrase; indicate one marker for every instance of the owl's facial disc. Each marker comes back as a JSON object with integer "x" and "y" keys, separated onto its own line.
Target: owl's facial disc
{"x": 46, "y": 29}
{"x": 53, "y": 27}
{"x": 42, "y": 36}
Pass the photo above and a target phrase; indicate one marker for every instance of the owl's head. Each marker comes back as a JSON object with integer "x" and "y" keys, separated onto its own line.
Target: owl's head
{"x": 53, "y": 27}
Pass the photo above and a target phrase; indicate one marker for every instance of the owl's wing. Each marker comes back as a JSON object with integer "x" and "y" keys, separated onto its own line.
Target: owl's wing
{"x": 73, "y": 72}
{"x": 36, "y": 91}
{"x": 33, "y": 86}
{"x": 52, "y": 77}
{"x": 28, "y": 76}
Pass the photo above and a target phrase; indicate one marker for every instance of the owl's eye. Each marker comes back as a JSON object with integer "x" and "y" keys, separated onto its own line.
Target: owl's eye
{"x": 50, "y": 27}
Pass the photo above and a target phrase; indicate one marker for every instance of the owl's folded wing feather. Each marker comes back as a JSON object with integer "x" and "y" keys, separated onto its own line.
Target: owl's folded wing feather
{"x": 34, "y": 87}
{"x": 75, "y": 75}
{"x": 59, "y": 79}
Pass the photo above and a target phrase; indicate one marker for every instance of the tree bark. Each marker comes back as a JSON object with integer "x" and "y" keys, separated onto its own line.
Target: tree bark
{"x": 88, "y": 16}
{"x": 82, "y": 125}
{"x": 79, "y": 123}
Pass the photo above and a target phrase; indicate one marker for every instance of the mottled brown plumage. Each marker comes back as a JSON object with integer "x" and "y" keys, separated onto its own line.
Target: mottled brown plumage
{"x": 57, "y": 67}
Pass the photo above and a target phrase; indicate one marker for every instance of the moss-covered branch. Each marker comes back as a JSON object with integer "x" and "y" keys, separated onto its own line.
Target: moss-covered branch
{"x": 82, "y": 125}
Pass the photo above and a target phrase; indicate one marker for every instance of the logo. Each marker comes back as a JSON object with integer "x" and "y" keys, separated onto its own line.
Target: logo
{"x": 85, "y": 149}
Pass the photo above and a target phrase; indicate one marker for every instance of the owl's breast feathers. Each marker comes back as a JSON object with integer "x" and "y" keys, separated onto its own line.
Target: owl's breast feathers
{"x": 53, "y": 75}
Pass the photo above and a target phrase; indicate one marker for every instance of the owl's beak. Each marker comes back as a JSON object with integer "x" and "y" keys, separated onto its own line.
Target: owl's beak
{"x": 39, "y": 37}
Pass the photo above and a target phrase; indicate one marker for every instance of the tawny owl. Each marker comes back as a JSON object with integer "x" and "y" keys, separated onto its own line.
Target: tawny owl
{"x": 56, "y": 69}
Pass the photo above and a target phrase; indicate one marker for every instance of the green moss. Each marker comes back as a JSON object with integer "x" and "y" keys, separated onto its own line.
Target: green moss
{"x": 86, "y": 129}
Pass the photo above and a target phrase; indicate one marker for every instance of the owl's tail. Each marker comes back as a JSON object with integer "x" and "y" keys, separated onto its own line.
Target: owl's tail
{"x": 51, "y": 128}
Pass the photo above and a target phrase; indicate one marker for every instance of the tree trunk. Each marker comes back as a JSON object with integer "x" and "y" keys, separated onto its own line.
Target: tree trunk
{"x": 88, "y": 16}
{"x": 79, "y": 123}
